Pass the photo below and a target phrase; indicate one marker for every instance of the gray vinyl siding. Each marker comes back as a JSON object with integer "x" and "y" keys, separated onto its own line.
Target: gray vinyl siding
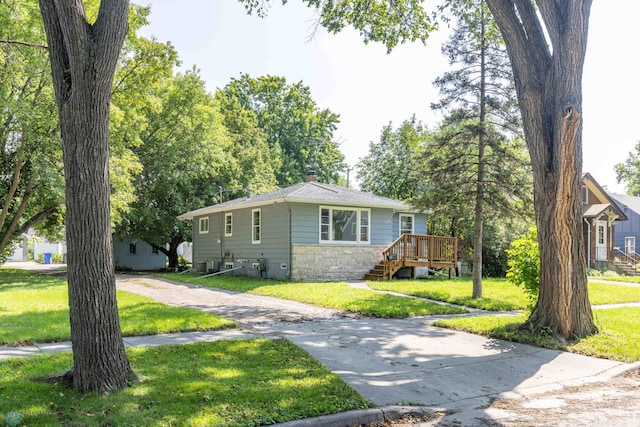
{"x": 629, "y": 228}
{"x": 273, "y": 249}
{"x": 143, "y": 259}
{"x": 205, "y": 246}
{"x": 381, "y": 227}
{"x": 305, "y": 223}
{"x": 419, "y": 224}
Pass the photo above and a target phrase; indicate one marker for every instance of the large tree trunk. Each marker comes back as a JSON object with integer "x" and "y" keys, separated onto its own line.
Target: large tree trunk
{"x": 83, "y": 59}
{"x": 172, "y": 251}
{"x": 549, "y": 85}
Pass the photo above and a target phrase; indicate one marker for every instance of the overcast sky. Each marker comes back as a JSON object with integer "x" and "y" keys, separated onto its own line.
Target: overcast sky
{"x": 369, "y": 88}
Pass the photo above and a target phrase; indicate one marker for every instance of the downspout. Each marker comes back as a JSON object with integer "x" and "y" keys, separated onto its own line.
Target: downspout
{"x": 290, "y": 254}
{"x": 222, "y": 225}
{"x": 588, "y": 242}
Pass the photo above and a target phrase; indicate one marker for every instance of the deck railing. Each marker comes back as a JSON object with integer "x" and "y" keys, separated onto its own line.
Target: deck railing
{"x": 431, "y": 250}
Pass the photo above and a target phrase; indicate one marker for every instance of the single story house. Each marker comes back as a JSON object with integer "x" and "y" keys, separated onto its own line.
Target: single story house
{"x": 627, "y": 234}
{"x": 306, "y": 232}
{"x": 600, "y": 214}
{"x": 135, "y": 254}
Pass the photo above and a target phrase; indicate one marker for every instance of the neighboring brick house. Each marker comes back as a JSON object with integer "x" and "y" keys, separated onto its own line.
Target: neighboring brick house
{"x": 600, "y": 214}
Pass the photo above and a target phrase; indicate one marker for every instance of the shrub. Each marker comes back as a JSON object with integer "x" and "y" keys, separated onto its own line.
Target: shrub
{"x": 524, "y": 265}
{"x": 592, "y": 272}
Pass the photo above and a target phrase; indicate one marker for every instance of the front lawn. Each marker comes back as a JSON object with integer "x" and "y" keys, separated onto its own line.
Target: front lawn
{"x": 222, "y": 383}
{"x": 497, "y": 294}
{"x": 35, "y": 308}
{"x": 336, "y": 295}
{"x": 609, "y": 293}
{"x": 619, "y": 336}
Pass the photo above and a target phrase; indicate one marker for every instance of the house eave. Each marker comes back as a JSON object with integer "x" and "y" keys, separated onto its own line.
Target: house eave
{"x": 189, "y": 216}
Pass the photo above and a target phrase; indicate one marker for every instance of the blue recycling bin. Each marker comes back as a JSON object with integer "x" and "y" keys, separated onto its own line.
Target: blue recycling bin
{"x": 46, "y": 258}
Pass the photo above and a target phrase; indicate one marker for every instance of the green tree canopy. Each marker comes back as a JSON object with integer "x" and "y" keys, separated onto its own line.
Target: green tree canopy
{"x": 629, "y": 172}
{"x": 31, "y": 183}
{"x": 390, "y": 169}
{"x": 185, "y": 152}
{"x": 299, "y": 134}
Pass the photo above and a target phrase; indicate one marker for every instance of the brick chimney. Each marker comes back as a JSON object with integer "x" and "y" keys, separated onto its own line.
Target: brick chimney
{"x": 312, "y": 177}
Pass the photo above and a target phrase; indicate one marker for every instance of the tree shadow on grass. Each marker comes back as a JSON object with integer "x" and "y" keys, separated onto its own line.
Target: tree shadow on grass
{"x": 12, "y": 279}
{"x": 243, "y": 382}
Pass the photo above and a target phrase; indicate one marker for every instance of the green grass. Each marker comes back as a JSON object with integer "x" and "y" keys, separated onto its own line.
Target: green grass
{"x": 223, "y": 383}
{"x": 34, "y": 308}
{"x": 625, "y": 279}
{"x": 609, "y": 293}
{"x": 497, "y": 294}
{"x": 618, "y": 339}
{"x": 336, "y": 295}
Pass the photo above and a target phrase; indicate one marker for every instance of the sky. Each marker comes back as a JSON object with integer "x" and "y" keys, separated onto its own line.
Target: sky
{"x": 369, "y": 88}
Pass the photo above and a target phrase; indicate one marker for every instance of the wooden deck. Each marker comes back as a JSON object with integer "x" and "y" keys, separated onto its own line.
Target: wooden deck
{"x": 413, "y": 250}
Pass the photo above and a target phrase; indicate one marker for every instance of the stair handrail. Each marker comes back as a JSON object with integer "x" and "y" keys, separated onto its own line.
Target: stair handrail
{"x": 395, "y": 254}
{"x": 391, "y": 256}
{"x": 627, "y": 258}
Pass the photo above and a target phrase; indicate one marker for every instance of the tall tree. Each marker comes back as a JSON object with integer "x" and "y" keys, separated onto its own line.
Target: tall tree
{"x": 629, "y": 172}
{"x": 299, "y": 134}
{"x": 186, "y": 157}
{"x": 389, "y": 167}
{"x": 31, "y": 185}
{"x": 478, "y": 160}
{"x": 547, "y": 46}
{"x": 546, "y": 42}
{"x": 83, "y": 56}
{"x": 453, "y": 167}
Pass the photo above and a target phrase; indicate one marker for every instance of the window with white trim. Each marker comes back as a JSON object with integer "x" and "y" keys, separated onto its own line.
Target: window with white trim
{"x": 228, "y": 225}
{"x": 406, "y": 224}
{"x": 256, "y": 226}
{"x": 630, "y": 245}
{"x": 585, "y": 194}
{"x": 203, "y": 227}
{"x": 349, "y": 225}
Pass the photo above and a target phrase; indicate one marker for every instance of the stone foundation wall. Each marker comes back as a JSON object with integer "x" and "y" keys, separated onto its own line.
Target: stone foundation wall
{"x": 333, "y": 262}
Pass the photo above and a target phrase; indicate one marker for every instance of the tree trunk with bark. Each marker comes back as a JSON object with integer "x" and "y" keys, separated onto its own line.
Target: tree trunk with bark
{"x": 83, "y": 60}
{"x": 478, "y": 212}
{"x": 548, "y": 80}
{"x": 172, "y": 251}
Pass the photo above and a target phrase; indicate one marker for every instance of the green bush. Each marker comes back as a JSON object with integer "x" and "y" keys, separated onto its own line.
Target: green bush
{"x": 592, "y": 272}
{"x": 524, "y": 265}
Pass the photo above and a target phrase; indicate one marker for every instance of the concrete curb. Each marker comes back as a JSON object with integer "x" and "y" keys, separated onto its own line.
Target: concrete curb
{"x": 361, "y": 417}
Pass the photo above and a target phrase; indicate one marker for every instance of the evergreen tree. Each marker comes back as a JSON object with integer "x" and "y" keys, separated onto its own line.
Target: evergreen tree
{"x": 472, "y": 157}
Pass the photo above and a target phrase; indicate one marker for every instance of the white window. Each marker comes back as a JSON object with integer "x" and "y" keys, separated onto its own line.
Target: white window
{"x": 256, "y": 226}
{"x": 406, "y": 224}
{"x": 344, "y": 225}
{"x": 630, "y": 245}
{"x": 204, "y": 225}
{"x": 228, "y": 224}
{"x": 585, "y": 195}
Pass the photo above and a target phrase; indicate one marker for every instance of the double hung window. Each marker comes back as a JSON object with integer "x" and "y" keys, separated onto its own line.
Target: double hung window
{"x": 256, "y": 226}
